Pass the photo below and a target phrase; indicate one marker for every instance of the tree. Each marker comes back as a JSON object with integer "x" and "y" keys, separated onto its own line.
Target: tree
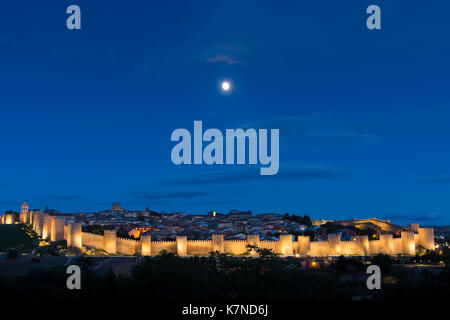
{"x": 95, "y": 229}
{"x": 305, "y": 220}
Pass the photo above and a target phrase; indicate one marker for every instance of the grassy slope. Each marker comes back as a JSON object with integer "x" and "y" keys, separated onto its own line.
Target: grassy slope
{"x": 12, "y": 235}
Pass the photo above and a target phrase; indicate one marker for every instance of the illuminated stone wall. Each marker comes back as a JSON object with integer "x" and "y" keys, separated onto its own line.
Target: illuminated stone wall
{"x": 408, "y": 243}
{"x": 235, "y": 246}
{"x": 374, "y": 246}
{"x": 398, "y": 247}
{"x": 57, "y": 229}
{"x": 8, "y": 218}
{"x": 386, "y": 244}
{"x": 426, "y": 238}
{"x": 110, "y": 241}
{"x": 169, "y": 246}
{"x": 39, "y": 223}
{"x": 271, "y": 245}
{"x": 348, "y": 248}
{"x": 217, "y": 242}
{"x": 146, "y": 245}
{"x": 46, "y": 227}
{"x": 303, "y": 245}
{"x": 126, "y": 246}
{"x": 201, "y": 247}
{"x": 362, "y": 245}
{"x": 75, "y": 235}
{"x": 53, "y": 228}
{"x": 94, "y": 241}
{"x": 285, "y": 245}
{"x": 319, "y": 248}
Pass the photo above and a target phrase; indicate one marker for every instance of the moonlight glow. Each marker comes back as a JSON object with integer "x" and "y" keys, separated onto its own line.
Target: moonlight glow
{"x": 226, "y": 86}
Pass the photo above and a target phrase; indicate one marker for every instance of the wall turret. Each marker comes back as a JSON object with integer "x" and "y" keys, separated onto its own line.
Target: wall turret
{"x": 46, "y": 228}
{"x": 286, "y": 244}
{"x": 182, "y": 245}
{"x": 303, "y": 245}
{"x": 146, "y": 245}
{"x": 387, "y": 244}
{"x": 75, "y": 235}
{"x": 57, "y": 229}
{"x": 362, "y": 245}
{"x": 110, "y": 241}
{"x": 334, "y": 241}
{"x": 217, "y": 242}
{"x": 426, "y": 238}
{"x": 253, "y": 239}
{"x": 408, "y": 244}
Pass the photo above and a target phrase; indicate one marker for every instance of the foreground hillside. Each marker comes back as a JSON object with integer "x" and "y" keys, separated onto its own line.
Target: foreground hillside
{"x": 13, "y": 235}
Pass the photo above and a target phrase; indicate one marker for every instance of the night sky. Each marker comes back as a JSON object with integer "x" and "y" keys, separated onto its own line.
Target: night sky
{"x": 364, "y": 116}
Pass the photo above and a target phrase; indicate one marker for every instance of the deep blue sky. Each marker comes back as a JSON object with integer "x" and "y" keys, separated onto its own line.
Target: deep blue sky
{"x": 364, "y": 116}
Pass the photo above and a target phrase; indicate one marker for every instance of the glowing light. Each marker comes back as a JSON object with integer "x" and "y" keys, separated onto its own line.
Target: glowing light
{"x": 226, "y": 86}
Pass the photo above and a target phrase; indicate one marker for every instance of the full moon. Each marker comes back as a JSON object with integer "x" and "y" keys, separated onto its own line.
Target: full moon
{"x": 226, "y": 86}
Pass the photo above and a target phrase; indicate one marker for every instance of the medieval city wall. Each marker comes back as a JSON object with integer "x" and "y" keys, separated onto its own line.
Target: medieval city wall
{"x": 348, "y": 248}
{"x": 235, "y": 246}
{"x": 91, "y": 240}
{"x": 55, "y": 229}
{"x": 158, "y": 246}
{"x": 199, "y": 247}
{"x": 271, "y": 245}
{"x": 319, "y": 248}
{"x": 127, "y": 246}
{"x": 374, "y": 246}
{"x": 426, "y": 238}
{"x": 398, "y": 245}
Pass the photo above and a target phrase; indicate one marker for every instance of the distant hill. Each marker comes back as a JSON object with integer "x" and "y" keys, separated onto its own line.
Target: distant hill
{"x": 442, "y": 231}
